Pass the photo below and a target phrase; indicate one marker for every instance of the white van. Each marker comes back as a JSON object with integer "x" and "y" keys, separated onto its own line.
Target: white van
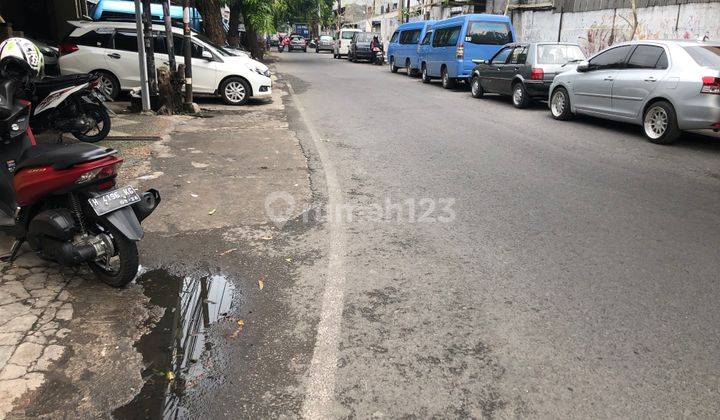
{"x": 110, "y": 49}
{"x": 342, "y": 41}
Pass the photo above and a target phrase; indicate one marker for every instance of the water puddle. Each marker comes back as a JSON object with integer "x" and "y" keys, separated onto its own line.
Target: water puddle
{"x": 171, "y": 350}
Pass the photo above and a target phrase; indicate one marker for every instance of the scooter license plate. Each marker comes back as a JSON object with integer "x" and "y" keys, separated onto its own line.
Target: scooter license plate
{"x": 114, "y": 200}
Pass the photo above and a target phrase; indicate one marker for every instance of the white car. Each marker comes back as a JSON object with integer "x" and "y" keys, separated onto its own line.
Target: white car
{"x": 110, "y": 49}
{"x": 342, "y": 41}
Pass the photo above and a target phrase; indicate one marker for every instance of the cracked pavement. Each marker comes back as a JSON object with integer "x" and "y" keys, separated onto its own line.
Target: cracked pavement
{"x": 35, "y": 303}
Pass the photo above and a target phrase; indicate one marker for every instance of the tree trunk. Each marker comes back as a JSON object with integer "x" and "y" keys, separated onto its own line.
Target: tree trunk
{"x": 212, "y": 20}
{"x": 251, "y": 37}
{"x": 233, "y": 36}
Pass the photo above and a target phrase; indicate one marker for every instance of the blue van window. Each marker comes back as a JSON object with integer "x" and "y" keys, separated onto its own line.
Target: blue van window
{"x": 489, "y": 33}
{"x": 410, "y": 36}
{"x": 446, "y": 37}
{"x": 426, "y": 40}
{"x": 454, "y": 35}
{"x": 394, "y": 37}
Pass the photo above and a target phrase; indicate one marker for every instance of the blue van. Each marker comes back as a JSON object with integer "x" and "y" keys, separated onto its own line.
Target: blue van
{"x": 124, "y": 10}
{"x": 403, "y": 48}
{"x": 457, "y": 41}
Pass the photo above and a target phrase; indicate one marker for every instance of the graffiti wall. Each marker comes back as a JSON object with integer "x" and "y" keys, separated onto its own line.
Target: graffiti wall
{"x": 596, "y": 30}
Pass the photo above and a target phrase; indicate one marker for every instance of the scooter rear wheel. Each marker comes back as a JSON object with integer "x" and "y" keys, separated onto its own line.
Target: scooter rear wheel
{"x": 102, "y": 123}
{"x": 125, "y": 262}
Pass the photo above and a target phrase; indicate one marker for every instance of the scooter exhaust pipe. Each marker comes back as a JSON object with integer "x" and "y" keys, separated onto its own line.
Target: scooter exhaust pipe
{"x": 149, "y": 201}
{"x": 67, "y": 253}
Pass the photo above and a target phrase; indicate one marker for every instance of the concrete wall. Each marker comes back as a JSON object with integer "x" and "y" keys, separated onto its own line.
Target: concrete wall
{"x": 388, "y": 23}
{"x": 596, "y": 30}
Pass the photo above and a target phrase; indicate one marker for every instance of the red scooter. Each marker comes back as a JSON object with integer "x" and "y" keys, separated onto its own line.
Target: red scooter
{"x": 68, "y": 208}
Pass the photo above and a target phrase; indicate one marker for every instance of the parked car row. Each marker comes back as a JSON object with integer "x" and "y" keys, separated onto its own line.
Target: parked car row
{"x": 664, "y": 86}
{"x": 110, "y": 49}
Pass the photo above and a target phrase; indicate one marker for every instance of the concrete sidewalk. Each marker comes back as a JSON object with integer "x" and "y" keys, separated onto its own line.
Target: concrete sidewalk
{"x": 67, "y": 342}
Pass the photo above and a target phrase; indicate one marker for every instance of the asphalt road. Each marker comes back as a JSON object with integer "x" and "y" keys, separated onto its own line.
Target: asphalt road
{"x": 561, "y": 269}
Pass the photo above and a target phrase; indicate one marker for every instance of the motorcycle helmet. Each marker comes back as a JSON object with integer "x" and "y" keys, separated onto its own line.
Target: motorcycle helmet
{"x": 20, "y": 59}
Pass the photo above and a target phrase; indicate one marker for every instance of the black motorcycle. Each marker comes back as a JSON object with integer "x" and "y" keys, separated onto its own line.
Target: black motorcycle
{"x": 70, "y": 104}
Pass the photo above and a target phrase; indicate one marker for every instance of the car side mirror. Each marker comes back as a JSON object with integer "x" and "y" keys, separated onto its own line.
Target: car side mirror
{"x": 583, "y": 67}
{"x": 478, "y": 61}
{"x": 207, "y": 55}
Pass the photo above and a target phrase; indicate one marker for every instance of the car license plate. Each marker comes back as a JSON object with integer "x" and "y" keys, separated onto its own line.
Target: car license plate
{"x": 114, "y": 200}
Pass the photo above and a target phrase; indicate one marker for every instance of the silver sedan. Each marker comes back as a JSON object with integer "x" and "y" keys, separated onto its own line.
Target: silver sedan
{"x": 664, "y": 86}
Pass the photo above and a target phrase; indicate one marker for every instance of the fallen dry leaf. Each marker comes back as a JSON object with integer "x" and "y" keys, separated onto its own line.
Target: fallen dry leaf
{"x": 228, "y": 251}
{"x": 261, "y": 284}
{"x": 237, "y": 332}
{"x": 211, "y": 212}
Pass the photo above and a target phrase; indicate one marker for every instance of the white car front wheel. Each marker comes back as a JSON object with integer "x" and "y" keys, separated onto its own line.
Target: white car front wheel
{"x": 235, "y": 91}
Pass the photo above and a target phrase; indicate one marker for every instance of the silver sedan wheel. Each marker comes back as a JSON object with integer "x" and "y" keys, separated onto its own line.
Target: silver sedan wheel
{"x": 475, "y": 87}
{"x": 518, "y": 95}
{"x": 656, "y": 122}
{"x": 557, "y": 105}
{"x": 235, "y": 91}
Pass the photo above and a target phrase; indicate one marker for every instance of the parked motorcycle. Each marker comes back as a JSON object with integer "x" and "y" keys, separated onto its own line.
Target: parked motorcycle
{"x": 68, "y": 207}
{"x": 70, "y": 104}
{"x": 285, "y": 42}
{"x": 379, "y": 58}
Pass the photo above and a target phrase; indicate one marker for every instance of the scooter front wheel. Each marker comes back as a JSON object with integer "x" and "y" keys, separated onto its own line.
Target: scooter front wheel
{"x": 121, "y": 268}
{"x": 101, "y": 129}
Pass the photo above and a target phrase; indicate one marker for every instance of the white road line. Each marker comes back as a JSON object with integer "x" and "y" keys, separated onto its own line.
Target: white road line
{"x": 320, "y": 385}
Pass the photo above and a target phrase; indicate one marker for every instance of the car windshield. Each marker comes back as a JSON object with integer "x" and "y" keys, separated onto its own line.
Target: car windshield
{"x": 326, "y": 38}
{"x": 558, "y": 54}
{"x": 706, "y": 56}
{"x": 220, "y": 50}
{"x": 347, "y": 35}
{"x": 364, "y": 37}
{"x": 296, "y": 38}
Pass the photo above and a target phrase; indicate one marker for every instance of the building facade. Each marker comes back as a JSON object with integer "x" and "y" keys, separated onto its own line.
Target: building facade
{"x": 594, "y": 24}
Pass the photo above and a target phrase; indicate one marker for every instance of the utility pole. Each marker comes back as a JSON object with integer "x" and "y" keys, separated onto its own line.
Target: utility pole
{"x": 149, "y": 51}
{"x": 407, "y": 12}
{"x": 187, "y": 47}
{"x": 339, "y": 15}
{"x": 144, "y": 92}
{"x": 169, "y": 37}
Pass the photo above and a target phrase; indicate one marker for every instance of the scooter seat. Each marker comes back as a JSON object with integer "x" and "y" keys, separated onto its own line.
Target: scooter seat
{"x": 61, "y": 156}
{"x": 51, "y": 84}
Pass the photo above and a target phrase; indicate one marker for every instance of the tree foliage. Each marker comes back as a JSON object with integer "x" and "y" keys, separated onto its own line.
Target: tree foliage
{"x": 262, "y": 17}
